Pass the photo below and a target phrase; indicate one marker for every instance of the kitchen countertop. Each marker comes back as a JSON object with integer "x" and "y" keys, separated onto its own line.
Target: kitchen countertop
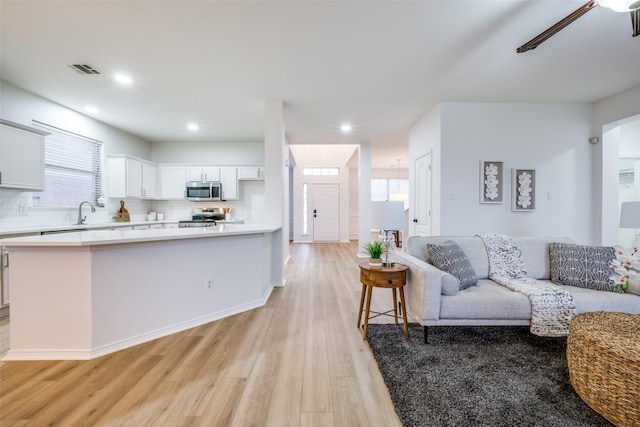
{"x": 4, "y": 231}
{"x": 111, "y": 237}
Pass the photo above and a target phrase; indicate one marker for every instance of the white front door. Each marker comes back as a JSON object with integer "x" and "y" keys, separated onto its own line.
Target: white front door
{"x": 422, "y": 215}
{"x": 326, "y": 212}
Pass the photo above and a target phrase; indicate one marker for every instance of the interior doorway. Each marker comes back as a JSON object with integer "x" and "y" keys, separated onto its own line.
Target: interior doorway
{"x": 620, "y": 177}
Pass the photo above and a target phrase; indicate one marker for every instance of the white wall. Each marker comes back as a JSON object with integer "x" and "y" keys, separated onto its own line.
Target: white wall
{"x": 220, "y": 154}
{"x": 550, "y": 138}
{"x": 20, "y": 106}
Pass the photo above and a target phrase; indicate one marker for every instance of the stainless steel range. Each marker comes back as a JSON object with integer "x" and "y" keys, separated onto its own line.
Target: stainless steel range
{"x": 203, "y": 218}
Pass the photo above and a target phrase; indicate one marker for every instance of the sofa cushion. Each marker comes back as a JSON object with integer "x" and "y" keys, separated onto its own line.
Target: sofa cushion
{"x": 486, "y": 301}
{"x": 535, "y": 251}
{"x": 634, "y": 287}
{"x": 593, "y": 300}
{"x": 450, "y": 258}
{"x": 472, "y": 246}
{"x": 582, "y": 266}
{"x": 450, "y": 285}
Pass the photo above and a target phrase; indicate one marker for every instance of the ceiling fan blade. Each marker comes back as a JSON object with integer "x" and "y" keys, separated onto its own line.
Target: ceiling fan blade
{"x": 635, "y": 22}
{"x": 537, "y": 40}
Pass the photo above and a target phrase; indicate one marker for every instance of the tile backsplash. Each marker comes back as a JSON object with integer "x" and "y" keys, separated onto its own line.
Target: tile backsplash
{"x": 17, "y": 209}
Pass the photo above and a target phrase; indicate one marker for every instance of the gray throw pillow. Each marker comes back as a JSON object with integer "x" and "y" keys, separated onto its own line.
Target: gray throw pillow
{"x": 582, "y": 266}
{"x": 450, "y": 258}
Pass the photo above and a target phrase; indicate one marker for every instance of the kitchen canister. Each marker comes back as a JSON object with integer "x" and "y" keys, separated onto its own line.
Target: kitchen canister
{"x": 160, "y": 216}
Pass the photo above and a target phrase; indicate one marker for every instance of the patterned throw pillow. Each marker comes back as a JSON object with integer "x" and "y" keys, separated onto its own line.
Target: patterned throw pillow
{"x": 582, "y": 266}
{"x": 450, "y": 258}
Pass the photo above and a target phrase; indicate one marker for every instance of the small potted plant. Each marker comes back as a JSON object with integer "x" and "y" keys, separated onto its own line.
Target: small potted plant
{"x": 375, "y": 251}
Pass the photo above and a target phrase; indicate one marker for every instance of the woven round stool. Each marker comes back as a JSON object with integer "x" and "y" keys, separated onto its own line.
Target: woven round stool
{"x": 603, "y": 355}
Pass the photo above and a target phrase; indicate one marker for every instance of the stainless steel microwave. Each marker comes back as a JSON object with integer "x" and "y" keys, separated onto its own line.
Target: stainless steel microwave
{"x": 200, "y": 191}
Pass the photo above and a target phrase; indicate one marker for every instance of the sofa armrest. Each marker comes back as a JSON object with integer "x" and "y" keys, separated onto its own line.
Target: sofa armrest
{"x": 424, "y": 284}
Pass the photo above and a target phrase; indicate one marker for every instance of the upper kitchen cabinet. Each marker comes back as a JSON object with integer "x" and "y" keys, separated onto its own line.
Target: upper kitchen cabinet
{"x": 172, "y": 182}
{"x": 203, "y": 173}
{"x": 229, "y": 183}
{"x": 129, "y": 177}
{"x": 21, "y": 157}
{"x": 249, "y": 173}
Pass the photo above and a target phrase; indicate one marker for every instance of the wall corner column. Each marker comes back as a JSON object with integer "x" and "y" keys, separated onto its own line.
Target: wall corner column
{"x": 276, "y": 182}
{"x": 364, "y": 196}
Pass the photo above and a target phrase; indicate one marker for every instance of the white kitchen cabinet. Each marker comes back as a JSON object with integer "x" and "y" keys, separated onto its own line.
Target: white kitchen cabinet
{"x": 149, "y": 180}
{"x": 129, "y": 177}
{"x": 249, "y": 173}
{"x": 172, "y": 182}
{"x": 203, "y": 173}
{"x": 21, "y": 157}
{"x": 229, "y": 182}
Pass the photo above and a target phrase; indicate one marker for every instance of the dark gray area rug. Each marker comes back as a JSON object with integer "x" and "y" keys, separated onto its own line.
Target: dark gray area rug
{"x": 478, "y": 376}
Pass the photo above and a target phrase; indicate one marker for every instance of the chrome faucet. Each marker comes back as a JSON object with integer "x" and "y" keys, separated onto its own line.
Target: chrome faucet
{"x": 80, "y": 217}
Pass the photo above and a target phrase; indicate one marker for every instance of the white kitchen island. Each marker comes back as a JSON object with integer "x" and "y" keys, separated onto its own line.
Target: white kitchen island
{"x": 82, "y": 295}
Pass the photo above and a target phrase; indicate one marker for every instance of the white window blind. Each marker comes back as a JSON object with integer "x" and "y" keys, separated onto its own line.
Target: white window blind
{"x": 72, "y": 169}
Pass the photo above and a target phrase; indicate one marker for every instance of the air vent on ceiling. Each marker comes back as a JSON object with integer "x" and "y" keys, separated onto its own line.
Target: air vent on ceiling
{"x": 84, "y": 68}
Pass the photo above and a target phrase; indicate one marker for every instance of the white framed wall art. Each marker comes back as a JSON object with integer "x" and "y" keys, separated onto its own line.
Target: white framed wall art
{"x": 491, "y": 182}
{"x": 523, "y": 185}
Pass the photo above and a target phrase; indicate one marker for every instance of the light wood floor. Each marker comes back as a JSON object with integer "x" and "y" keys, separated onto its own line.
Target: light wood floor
{"x": 298, "y": 361}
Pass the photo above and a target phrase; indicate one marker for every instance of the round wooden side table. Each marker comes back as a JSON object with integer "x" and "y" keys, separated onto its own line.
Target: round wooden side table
{"x": 394, "y": 278}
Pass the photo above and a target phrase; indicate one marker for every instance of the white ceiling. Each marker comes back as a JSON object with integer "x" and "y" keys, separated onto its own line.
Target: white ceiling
{"x": 380, "y": 65}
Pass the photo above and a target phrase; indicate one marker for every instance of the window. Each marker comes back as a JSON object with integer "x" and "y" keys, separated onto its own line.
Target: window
{"x": 305, "y": 209}
{"x": 389, "y": 189}
{"x": 321, "y": 171}
{"x": 72, "y": 169}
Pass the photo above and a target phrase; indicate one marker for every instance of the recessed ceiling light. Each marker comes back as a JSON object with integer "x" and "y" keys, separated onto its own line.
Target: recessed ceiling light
{"x": 346, "y": 128}
{"x": 91, "y": 109}
{"x": 193, "y": 127}
{"x": 123, "y": 78}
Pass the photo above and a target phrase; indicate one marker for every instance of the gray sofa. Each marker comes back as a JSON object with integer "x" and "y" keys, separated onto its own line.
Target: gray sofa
{"x": 433, "y": 297}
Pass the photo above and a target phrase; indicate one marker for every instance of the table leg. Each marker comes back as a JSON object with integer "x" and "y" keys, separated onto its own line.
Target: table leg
{"x": 395, "y": 304}
{"x": 404, "y": 312}
{"x": 364, "y": 287}
{"x": 366, "y": 316}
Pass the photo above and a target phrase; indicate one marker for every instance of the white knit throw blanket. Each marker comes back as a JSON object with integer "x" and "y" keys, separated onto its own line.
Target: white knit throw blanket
{"x": 551, "y": 306}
